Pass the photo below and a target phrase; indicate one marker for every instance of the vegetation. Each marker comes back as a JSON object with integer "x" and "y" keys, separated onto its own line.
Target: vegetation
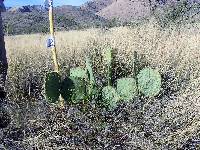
{"x": 77, "y": 87}
{"x": 73, "y": 18}
{"x": 16, "y": 23}
{"x": 169, "y": 120}
{"x": 114, "y": 99}
{"x": 182, "y": 12}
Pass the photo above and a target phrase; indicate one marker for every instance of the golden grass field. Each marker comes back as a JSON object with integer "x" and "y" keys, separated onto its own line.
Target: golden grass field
{"x": 168, "y": 121}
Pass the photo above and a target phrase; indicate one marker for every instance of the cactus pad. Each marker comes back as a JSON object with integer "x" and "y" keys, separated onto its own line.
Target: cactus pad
{"x": 108, "y": 55}
{"x": 52, "y": 87}
{"x": 90, "y": 72}
{"x": 127, "y": 88}
{"x": 77, "y": 72}
{"x": 149, "y": 82}
{"x": 91, "y": 89}
{"x": 80, "y": 90}
{"x": 73, "y": 89}
{"x": 110, "y": 97}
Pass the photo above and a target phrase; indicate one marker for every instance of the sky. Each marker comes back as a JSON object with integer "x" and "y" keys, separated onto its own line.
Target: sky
{"x": 11, "y": 3}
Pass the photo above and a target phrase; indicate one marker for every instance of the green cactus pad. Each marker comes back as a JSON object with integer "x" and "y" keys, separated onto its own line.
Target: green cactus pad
{"x": 90, "y": 72}
{"x": 110, "y": 97}
{"x": 73, "y": 89}
{"x": 127, "y": 88}
{"x": 52, "y": 87}
{"x": 95, "y": 92}
{"x": 92, "y": 91}
{"x": 77, "y": 72}
{"x": 80, "y": 90}
{"x": 108, "y": 55}
{"x": 149, "y": 82}
{"x": 67, "y": 88}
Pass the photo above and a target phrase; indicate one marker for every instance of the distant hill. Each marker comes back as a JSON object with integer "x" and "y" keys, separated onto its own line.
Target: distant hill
{"x": 79, "y": 15}
{"x": 33, "y": 19}
{"x": 96, "y": 5}
{"x": 126, "y": 10}
{"x": 28, "y": 8}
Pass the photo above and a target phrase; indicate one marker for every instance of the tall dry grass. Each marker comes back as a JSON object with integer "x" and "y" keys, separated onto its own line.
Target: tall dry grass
{"x": 168, "y": 121}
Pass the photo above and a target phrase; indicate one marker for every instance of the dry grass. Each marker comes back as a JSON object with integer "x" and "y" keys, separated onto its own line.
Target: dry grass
{"x": 165, "y": 122}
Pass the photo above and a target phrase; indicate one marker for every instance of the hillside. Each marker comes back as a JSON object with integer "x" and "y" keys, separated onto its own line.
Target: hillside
{"x": 95, "y": 13}
{"x": 33, "y": 19}
{"x": 28, "y": 8}
{"x": 126, "y": 10}
{"x": 96, "y": 5}
{"x": 79, "y": 15}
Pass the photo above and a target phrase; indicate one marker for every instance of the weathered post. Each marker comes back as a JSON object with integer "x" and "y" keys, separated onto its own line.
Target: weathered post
{"x": 3, "y": 58}
{"x": 5, "y": 118}
{"x": 52, "y": 38}
{"x": 51, "y": 44}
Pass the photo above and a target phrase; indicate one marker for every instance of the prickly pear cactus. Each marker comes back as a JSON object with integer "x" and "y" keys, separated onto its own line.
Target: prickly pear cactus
{"x": 110, "y": 97}
{"x": 67, "y": 88}
{"x": 80, "y": 90}
{"x": 52, "y": 87}
{"x": 127, "y": 88}
{"x": 89, "y": 70}
{"x": 95, "y": 93}
{"x": 149, "y": 82}
{"x": 91, "y": 88}
{"x": 73, "y": 89}
{"x": 77, "y": 72}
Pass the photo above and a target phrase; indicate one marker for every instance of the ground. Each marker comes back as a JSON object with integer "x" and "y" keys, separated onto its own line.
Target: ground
{"x": 167, "y": 121}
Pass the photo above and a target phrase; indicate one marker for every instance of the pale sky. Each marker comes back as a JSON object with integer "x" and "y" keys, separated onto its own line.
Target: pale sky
{"x": 9, "y": 3}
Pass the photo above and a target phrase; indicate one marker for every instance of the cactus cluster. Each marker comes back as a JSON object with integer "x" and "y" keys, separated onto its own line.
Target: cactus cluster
{"x": 81, "y": 84}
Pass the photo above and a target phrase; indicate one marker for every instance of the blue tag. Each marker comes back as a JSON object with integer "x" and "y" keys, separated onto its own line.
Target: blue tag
{"x": 50, "y": 42}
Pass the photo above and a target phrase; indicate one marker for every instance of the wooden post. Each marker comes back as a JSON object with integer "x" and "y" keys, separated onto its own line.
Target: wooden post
{"x": 53, "y": 45}
{"x": 3, "y": 60}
